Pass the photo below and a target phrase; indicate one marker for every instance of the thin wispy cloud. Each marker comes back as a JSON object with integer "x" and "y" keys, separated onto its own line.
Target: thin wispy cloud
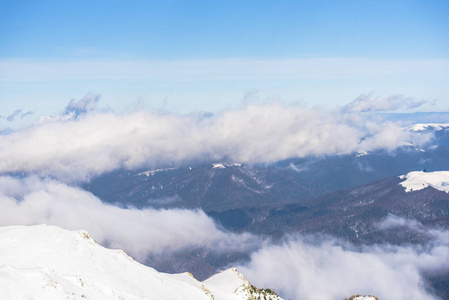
{"x": 26, "y": 114}
{"x": 86, "y": 104}
{"x": 392, "y": 221}
{"x": 372, "y": 103}
{"x": 223, "y": 69}
{"x": 12, "y": 116}
{"x": 17, "y": 113}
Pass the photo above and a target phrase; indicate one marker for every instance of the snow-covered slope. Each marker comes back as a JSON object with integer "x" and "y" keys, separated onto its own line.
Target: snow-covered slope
{"x": 419, "y": 180}
{"x": 425, "y": 126}
{"x": 47, "y": 262}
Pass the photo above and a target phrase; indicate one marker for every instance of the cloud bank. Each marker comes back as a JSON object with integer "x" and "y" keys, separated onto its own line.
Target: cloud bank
{"x": 31, "y": 200}
{"x": 314, "y": 267}
{"x": 78, "y": 148}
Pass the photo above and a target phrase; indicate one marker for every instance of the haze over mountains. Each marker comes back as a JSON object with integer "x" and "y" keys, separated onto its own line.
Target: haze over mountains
{"x": 252, "y": 188}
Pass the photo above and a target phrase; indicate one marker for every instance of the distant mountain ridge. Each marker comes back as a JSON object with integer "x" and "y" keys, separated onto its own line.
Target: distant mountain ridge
{"x": 354, "y": 214}
{"x": 207, "y": 186}
{"x": 220, "y": 186}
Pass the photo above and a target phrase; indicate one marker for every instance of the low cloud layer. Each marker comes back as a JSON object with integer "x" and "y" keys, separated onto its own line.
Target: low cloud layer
{"x": 314, "y": 267}
{"x": 32, "y": 201}
{"x": 96, "y": 141}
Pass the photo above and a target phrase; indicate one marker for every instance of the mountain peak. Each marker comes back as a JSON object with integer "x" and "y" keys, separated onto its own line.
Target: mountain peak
{"x": 230, "y": 285}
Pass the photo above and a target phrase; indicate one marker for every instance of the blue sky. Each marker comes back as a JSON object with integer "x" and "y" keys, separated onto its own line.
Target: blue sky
{"x": 184, "y": 56}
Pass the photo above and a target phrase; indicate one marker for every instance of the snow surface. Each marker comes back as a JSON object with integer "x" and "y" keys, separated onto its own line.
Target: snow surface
{"x": 365, "y": 298}
{"x": 47, "y": 262}
{"x": 419, "y": 180}
{"x": 223, "y": 286}
{"x": 422, "y": 127}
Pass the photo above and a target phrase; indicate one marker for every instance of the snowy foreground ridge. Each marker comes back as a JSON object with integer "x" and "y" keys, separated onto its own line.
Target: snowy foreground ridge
{"x": 418, "y": 180}
{"x": 47, "y": 262}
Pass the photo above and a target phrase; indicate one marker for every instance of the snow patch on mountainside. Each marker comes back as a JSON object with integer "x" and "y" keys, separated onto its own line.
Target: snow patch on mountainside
{"x": 224, "y": 165}
{"x": 434, "y": 126}
{"x": 47, "y": 262}
{"x": 152, "y": 172}
{"x": 218, "y": 166}
{"x": 419, "y": 180}
{"x": 362, "y": 153}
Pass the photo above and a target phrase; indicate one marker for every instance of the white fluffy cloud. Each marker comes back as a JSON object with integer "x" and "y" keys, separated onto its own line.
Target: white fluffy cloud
{"x": 76, "y": 149}
{"x": 32, "y": 200}
{"x": 327, "y": 269}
